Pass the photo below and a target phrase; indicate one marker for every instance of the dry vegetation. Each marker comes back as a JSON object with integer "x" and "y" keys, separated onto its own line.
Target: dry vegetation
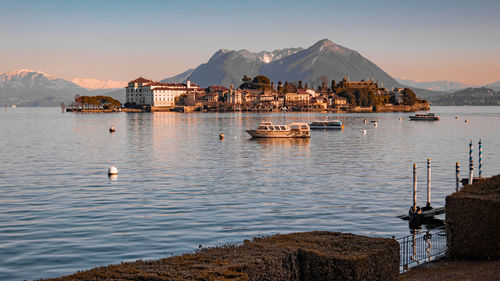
{"x": 297, "y": 256}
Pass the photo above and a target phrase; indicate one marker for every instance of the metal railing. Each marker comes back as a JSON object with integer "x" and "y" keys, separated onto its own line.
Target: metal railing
{"x": 420, "y": 248}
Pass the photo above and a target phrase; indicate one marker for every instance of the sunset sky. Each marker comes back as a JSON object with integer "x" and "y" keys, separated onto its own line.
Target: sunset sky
{"x": 120, "y": 40}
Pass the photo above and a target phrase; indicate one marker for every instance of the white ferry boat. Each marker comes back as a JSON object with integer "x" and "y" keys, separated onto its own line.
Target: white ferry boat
{"x": 330, "y": 124}
{"x": 424, "y": 117}
{"x": 269, "y": 130}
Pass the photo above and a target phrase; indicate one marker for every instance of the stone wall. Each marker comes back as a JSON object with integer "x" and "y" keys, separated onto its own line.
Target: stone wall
{"x": 297, "y": 256}
{"x": 473, "y": 221}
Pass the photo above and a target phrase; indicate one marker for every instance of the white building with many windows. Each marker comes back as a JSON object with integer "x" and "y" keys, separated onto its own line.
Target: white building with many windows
{"x": 156, "y": 94}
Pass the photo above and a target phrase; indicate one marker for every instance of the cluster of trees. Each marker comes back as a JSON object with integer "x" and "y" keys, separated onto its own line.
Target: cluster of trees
{"x": 258, "y": 82}
{"x": 96, "y": 102}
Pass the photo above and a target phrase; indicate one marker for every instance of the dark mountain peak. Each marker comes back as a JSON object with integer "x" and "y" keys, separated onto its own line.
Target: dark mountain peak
{"x": 326, "y": 45}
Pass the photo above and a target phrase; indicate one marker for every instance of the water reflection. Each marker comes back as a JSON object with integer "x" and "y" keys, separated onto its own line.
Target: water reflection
{"x": 281, "y": 142}
{"x": 427, "y": 223}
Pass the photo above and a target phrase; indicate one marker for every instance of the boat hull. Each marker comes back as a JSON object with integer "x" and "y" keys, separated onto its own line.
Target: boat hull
{"x": 413, "y": 118}
{"x": 278, "y": 134}
{"x": 327, "y": 127}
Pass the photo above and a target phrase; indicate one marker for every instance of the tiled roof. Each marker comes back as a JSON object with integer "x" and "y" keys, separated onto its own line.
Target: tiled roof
{"x": 141, "y": 80}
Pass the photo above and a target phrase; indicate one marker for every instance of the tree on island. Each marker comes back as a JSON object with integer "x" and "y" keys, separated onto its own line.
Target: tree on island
{"x": 258, "y": 82}
{"x": 408, "y": 97}
{"x": 101, "y": 102}
{"x": 359, "y": 97}
{"x": 247, "y": 82}
{"x": 261, "y": 82}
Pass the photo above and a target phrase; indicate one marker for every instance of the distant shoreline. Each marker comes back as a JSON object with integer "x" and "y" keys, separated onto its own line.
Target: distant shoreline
{"x": 191, "y": 109}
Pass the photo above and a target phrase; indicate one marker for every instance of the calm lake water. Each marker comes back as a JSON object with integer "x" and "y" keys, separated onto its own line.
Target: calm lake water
{"x": 179, "y": 186}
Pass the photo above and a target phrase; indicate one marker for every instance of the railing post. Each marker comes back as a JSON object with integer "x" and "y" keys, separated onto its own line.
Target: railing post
{"x": 428, "y": 182}
{"x": 457, "y": 171}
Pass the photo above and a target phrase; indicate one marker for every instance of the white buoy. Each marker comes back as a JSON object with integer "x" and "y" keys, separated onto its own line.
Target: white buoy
{"x": 364, "y": 120}
{"x": 221, "y": 136}
{"x": 400, "y": 118}
{"x": 456, "y": 117}
{"x": 112, "y": 171}
{"x": 112, "y": 129}
{"x": 375, "y": 124}
{"x": 466, "y": 121}
{"x": 364, "y": 132}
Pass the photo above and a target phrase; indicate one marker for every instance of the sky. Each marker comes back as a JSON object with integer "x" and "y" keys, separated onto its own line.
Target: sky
{"x": 421, "y": 40}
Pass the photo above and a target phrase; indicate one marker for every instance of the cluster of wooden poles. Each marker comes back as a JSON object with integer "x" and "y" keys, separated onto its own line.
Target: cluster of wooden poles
{"x": 417, "y": 211}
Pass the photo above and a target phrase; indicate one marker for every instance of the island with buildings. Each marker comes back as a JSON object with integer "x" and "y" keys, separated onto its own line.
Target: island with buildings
{"x": 260, "y": 94}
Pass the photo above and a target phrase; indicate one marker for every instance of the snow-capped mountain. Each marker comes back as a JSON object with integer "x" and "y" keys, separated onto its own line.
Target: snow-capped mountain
{"x": 95, "y": 84}
{"x": 324, "y": 58}
{"x": 227, "y": 67}
{"x": 329, "y": 60}
{"x": 29, "y": 87}
{"x": 267, "y": 57}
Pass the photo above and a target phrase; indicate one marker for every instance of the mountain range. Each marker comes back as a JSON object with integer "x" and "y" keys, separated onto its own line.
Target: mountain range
{"x": 324, "y": 60}
{"x": 27, "y": 87}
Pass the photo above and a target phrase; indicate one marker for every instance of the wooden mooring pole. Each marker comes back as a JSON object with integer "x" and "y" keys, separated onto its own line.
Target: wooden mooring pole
{"x": 457, "y": 171}
{"x": 480, "y": 158}
{"x": 428, "y": 183}
{"x": 415, "y": 187}
{"x": 471, "y": 163}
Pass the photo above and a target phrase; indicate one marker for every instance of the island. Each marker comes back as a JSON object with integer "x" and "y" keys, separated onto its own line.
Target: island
{"x": 260, "y": 94}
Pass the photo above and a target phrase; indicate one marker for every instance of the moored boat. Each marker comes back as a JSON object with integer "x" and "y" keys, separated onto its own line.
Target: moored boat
{"x": 330, "y": 124}
{"x": 292, "y": 130}
{"x": 424, "y": 117}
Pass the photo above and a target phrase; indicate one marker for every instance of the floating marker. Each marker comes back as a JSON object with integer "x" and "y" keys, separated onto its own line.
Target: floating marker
{"x": 364, "y": 132}
{"x": 364, "y": 120}
{"x": 466, "y": 121}
{"x": 112, "y": 171}
{"x": 221, "y": 136}
{"x": 112, "y": 129}
{"x": 456, "y": 117}
{"x": 375, "y": 124}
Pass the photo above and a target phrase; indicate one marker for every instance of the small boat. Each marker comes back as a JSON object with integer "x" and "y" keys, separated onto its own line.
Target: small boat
{"x": 332, "y": 124}
{"x": 293, "y": 130}
{"x": 424, "y": 117}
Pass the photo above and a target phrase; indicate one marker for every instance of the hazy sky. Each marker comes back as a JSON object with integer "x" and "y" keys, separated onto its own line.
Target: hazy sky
{"x": 120, "y": 40}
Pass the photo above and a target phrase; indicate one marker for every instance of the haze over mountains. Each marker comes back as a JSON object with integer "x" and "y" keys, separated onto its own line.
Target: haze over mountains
{"x": 95, "y": 84}
{"x": 323, "y": 59}
{"x": 435, "y": 85}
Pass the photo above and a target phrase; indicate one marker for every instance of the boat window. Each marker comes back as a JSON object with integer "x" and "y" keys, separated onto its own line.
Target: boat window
{"x": 303, "y": 127}
{"x": 276, "y": 128}
{"x": 262, "y": 128}
{"x": 283, "y": 128}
